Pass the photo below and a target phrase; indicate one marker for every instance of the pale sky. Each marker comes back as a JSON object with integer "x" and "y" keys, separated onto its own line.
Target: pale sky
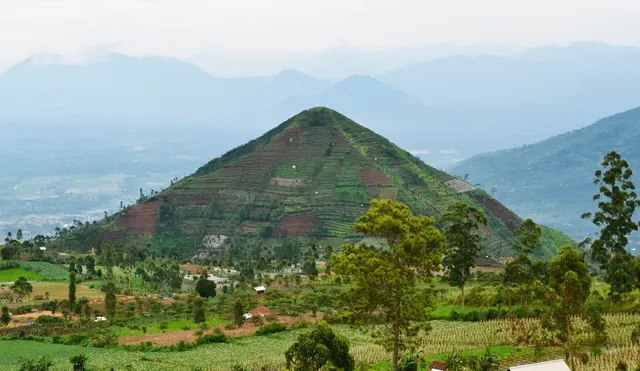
{"x": 182, "y": 28}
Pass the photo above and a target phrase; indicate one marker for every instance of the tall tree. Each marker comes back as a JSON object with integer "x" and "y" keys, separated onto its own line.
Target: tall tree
{"x": 110, "y": 300}
{"x": 22, "y": 286}
{"x": 518, "y": 274}
{"x": 462, "y": 225}
{"x": 385, "y": 280}
{"x": 617, "y": 202}
{"x": 205, "y": 287}
{"x": 5, "y": 318}
{"x": 319, "y": 348}
{"x": 570, "y": 279}
{"x": 72, "y": 289}
{"x": 198, "y": 310}
{"x": 238, "y": 313}
{"x": 529, "y": 235}
{"x": 19, "y": 235}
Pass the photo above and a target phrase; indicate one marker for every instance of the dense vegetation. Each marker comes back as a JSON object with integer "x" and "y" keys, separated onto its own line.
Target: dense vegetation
{"x": 551, "y": 181}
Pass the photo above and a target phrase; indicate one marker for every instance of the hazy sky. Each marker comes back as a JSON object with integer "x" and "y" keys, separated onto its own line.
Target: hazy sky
{"x": 183, "y": 28}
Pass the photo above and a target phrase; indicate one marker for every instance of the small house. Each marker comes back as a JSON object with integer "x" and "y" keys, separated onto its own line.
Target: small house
{"x": 259, "y": 289}
{"x": 437, "y": 366}
{"x": 42, "y": 248}
{"x": 247, "y": 316}
{"x": 101, "y": 319}
{"x": 557, "y": 365}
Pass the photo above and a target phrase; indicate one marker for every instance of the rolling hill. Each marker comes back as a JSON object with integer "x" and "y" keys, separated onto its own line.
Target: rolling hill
{"x": 552, "y": 181}
{"x": 313, "y": 175}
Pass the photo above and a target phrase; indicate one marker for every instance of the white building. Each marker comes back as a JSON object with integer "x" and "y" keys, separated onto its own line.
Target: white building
{"x": 557, "y": 365}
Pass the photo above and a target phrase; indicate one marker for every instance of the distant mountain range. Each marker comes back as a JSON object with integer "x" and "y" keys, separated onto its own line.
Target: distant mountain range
{"x": 552, "y": 181}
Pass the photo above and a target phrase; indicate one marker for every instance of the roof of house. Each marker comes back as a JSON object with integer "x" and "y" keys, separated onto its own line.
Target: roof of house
{"x": 259, "y": 288}
{"x": 438, "y": 365}
{"x": 557, "y": 365}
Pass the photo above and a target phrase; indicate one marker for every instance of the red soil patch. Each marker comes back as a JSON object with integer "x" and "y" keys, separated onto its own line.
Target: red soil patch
{"x": 508, "y": 217}
{"x": 193, "y": 269}
{"x": 261, "y": 311}
{"x": 141, "y": 219}
{"x": 371, "y": 176}
{"x": 190, "y": 336}
{"x": 296, "y": 225}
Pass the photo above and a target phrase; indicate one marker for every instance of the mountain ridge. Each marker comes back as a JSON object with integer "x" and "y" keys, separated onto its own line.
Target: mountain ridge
{"x": 521, "y": 176}
{"x": 311, "y": 176}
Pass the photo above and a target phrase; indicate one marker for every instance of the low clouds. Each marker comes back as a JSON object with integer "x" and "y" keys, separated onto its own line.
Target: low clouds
{"x": 187, "y": 27}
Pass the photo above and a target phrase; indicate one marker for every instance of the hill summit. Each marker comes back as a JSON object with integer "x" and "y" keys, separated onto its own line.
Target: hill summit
{"x": 311, "y": 176}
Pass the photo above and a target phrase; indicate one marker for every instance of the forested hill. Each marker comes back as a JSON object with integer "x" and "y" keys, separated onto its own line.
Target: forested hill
{"x": 311, "y": 176}
{"x": 552, "y": 181}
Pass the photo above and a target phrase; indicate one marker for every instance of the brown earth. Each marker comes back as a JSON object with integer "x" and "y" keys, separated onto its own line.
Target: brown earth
{"x": 297, "y": 225}
{"x": 372, "y": 176}
{"x": 248, "y": 328}
{"x": 510, "y": 219}
{"x": 141, "y": 219}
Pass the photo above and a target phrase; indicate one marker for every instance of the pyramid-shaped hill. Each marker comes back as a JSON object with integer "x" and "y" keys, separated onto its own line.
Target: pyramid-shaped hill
{"x": 313, "y": 175}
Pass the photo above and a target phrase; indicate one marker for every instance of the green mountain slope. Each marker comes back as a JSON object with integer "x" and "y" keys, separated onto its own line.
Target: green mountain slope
{"x": 313, "y": 175}
{"x": 551, "y": 181}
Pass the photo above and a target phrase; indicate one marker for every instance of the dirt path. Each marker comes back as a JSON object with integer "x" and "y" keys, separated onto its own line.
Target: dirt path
{"x": 170, "y": 338}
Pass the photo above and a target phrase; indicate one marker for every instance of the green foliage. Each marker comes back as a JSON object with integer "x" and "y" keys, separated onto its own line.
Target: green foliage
{"x": 238, "y": 313}
{"x": 42, "y": 364}
{"x": 529, "y": 237}
{"x": 22, "y": 286}
{"x": 198, "y": 311}
{"x": 461, "y": 230}
{"x": 72, "y": 289}
{"x": 570, "y": 279}
{"x": 5, "y": 318}
{"x": 110, "y": 299}
{"x": 271, "y": 328}
{"x": 617, "y": 204}
{"x": 320, "y": 348}
{"x": 385, "y": 282}
{"x": 206, "y": 288}
{"x": 216, "y": 337}
{"x": 79, "y": 362}
{"x": 49, "y": 320}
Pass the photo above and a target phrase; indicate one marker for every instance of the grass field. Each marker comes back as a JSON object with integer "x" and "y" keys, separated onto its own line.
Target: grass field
{"x": 60, "y": 290}
{"x": 255, "y": 351}
{"x": 11, "y": 275}
{"x": 173, "y": 326}
{"x": 47, "y": 271}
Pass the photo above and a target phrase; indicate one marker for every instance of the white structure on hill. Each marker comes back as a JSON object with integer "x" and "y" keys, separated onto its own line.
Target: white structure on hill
{"x": 557, "y": 365}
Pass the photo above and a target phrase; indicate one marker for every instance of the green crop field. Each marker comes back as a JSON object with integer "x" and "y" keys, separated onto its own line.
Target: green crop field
{"x": 257, "y": 351}
{"x": 11, "y": 275}
{"x": 172, "y": 326}
{"x": 47, "y": 271}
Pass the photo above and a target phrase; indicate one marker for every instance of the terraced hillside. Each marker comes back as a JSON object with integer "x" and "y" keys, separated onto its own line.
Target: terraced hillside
{"x": 313, "y": 175}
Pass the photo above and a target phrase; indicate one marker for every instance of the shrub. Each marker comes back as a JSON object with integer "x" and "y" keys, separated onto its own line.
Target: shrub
{"x": 49, "y": 320}
{"x": 75, "y": 339}
{"x": 43, "y": 364}
{"x": 216, "y": 337}
{"x": 271, "y": 328}
{"x": 257, "y": 321}
{"x": 79, "y": 362}
{"x": 300, "y": 324}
